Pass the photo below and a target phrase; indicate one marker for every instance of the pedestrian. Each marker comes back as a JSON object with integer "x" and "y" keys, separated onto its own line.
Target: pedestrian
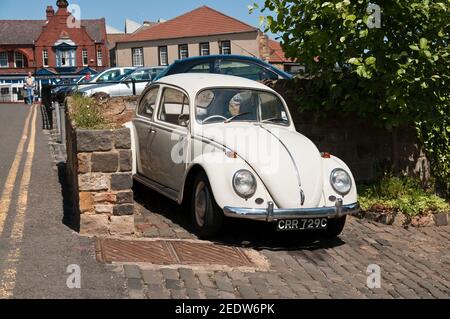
{"x": 30, "y": 83}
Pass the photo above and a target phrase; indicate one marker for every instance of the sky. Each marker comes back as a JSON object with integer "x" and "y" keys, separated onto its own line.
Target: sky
{"x": 116, "y": 11}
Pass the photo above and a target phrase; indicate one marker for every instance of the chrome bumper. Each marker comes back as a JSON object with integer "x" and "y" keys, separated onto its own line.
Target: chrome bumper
{"x": 270, "y": 214}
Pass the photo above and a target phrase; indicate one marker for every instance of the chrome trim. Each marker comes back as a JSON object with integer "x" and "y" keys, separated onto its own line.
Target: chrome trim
{"x": 270, "y": 214}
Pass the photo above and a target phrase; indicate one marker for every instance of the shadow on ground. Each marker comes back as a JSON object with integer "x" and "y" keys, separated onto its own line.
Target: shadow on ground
{"x": 70, "y": 218}
{"x": 238, "y": 233}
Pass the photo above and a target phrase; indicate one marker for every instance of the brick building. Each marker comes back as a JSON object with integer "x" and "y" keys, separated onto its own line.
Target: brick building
{"x": 203, "y": 31}
{"x": 59, "y": 46}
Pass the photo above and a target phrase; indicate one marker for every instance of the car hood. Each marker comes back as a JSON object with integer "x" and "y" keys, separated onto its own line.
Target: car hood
{"x": 287, "y": 162}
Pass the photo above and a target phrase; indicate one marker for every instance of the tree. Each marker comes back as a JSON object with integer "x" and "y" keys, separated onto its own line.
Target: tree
{"x": 388, "y": 61}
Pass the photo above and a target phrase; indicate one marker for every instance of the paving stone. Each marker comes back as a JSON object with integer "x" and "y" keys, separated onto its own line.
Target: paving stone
{"x": 132, "y": 271}
{"x": 152, "y": 277}
{"x": 172, "y": 284}
{"x": 170, "y": 274}
{"x": 247, "y": 292}
{"x": 157, "y": 292}
{"x": 205, "y": 280}
{"x": 193, "y": 293}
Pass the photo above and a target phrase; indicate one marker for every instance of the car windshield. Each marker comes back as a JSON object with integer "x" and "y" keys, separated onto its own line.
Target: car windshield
{"x": 220, "y": 105}
{"x": 121, "y": 77}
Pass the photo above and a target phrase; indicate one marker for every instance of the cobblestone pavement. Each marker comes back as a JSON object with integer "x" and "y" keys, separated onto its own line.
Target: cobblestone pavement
{"x": 415, "y": 263}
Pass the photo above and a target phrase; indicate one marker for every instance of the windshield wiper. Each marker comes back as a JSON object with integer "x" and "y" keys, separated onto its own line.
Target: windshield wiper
{"x": 274, "y": 119}
{"x": 231, "y": 119}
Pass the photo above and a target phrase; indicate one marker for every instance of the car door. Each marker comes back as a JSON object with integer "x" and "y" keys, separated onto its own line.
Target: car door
{"x": 143, "y": 126}
{"x": 169, "y": 140}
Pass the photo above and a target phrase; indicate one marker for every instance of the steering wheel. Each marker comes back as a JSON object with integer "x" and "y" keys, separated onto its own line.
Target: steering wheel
{"x": 212, "y": 117}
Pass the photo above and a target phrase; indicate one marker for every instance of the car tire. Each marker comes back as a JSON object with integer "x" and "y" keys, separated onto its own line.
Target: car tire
{"x": 101, "y": 98}
{"x": 207, "y": 217}
{"x": 335, "y": 227}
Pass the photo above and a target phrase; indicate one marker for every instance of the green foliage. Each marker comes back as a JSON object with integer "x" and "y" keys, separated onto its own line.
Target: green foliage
{"x": 403, "y": 195}
{"x": 87, "y": 114}
{"x": 398, "y": 74}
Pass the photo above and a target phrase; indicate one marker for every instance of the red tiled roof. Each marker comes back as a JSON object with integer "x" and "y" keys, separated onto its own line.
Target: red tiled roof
{"x": 203, "y": 21}
{"x": 277, "y": 53}
{"x": 113, "y": 38}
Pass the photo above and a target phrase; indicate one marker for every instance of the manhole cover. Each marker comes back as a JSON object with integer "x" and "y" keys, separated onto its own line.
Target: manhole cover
{"x": 169, "y": 253}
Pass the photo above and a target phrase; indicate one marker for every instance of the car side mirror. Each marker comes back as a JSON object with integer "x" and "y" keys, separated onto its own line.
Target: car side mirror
{"x": 183, "y": 120}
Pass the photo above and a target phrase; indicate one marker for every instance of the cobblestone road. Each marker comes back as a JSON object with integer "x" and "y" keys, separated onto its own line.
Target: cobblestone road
{"x": 415, "y": 263}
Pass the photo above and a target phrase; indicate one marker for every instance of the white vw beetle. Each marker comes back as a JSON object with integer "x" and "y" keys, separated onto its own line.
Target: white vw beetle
{"x": 228, "y": 147}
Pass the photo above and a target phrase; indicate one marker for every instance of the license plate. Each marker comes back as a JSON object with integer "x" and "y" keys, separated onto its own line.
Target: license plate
{"x": 302, "y": 224}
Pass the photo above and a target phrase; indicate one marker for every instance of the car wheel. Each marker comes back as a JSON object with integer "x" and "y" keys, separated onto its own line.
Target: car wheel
{"x": 335, "y": 227}
{"x": 101, "y": 98}
{"x": 207, "y": 216}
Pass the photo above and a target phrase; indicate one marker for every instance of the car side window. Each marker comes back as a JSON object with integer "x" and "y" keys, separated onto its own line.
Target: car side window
{"x": 246, "y": 70}
{"x": 148, "y": 103}
{"x": 201, "y": 68}
{"x": 174, "y": 108}
{"x": 108, "y": 76}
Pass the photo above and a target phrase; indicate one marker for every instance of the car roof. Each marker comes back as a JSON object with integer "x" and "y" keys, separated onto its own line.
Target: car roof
{"x": 195, "y": 82}
{"x": 221, "y": 56}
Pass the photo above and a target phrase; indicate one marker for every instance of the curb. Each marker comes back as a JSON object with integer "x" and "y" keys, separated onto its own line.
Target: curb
{"x": 436, "y": 220}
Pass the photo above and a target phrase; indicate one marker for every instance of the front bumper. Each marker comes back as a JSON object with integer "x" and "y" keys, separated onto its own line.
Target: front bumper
{"x": 270, "y": 214}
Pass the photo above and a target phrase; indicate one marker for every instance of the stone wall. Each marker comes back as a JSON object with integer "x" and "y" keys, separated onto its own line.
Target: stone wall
{"x": 368, "y": 150}
{"x": 99, "y": 167}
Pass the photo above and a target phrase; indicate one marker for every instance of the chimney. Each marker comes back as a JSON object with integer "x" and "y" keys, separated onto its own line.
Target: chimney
{"x": 50, "y": 12}
{"x": 264, "y": 49}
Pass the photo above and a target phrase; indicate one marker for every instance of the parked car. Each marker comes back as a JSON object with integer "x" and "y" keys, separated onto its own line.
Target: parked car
{"x": 238, "y": 65}
{"x": 228, "y": 146}
{"x": 125, "y": 88}
{"x": 60, "y": 93}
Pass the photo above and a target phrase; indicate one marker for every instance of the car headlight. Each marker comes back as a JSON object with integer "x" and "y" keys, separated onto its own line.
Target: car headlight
{"x": 244, "y": 184}
{"x": 341, "y": 181}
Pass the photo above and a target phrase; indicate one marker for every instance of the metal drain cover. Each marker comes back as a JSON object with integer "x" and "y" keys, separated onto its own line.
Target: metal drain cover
{"x": 163, "y": 252}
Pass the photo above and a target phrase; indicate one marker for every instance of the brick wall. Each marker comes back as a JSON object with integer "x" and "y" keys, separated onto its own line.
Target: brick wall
{"x": 367, "y": 149}
{"x": 99, "y": 166}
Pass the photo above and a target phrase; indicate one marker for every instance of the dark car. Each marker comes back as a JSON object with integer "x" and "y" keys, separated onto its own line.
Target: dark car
{"x": 237, "y": 65}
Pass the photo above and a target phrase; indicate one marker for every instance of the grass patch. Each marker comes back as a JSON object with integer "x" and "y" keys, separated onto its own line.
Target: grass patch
{"x": 401, "y": 195}
{"x": 87, "y": 114}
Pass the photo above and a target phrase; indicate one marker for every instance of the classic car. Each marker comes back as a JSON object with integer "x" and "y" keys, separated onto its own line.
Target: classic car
{"x": 228, "y": 147}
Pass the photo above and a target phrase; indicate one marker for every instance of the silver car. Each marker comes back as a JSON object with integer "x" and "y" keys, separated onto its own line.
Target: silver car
{"x": 130, "y": 83}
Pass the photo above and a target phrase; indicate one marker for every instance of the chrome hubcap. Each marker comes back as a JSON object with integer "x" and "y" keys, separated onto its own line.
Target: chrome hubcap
{"x": 200, "y": 204}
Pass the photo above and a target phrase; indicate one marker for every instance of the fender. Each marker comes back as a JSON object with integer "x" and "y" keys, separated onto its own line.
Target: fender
{"x": 221, "y": 180}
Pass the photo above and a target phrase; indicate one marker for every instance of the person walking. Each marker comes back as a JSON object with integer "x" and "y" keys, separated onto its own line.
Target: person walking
{"x": 30, "y": 83}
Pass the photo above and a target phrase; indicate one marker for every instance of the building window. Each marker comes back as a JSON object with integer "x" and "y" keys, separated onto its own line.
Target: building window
{"x": 85, "y": 57}
{"x": 225, "y": 47}
{"x": 99, "y": 58}
{"x": 204, "y": 49}
{"x": 4, "y": 59}
{"x": 163, "y": 58}
{"x": 138, "y": 56}
{"x": 45, "y": 58}
{"x": 19, "y": 60}
{"x": 183, "y": 51}
{"x": 65, "y": 58}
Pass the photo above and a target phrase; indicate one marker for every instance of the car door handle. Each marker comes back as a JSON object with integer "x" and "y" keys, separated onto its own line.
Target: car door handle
{"x": 152, "y": 131}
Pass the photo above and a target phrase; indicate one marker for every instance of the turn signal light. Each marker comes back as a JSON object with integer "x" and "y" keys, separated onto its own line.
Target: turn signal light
{"x": 231, "y": 154}
{"x": 326, "y": 155}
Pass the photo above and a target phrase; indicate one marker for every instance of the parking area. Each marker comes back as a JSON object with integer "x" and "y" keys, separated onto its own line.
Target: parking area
{"x": 414, "y": 263}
